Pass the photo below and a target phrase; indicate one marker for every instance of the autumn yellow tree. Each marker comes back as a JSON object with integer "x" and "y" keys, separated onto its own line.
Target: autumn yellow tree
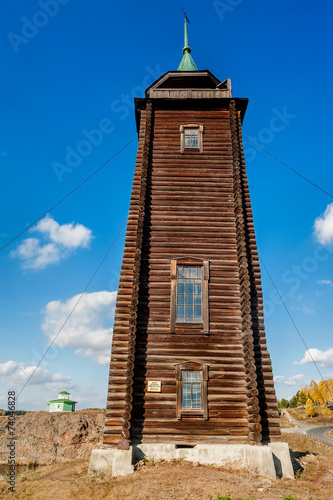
{"x": 309, "y": 408}
{"x": 314, "y": 392}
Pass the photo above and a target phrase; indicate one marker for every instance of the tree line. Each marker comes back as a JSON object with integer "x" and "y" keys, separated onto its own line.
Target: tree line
{"x": 311, "y": 396}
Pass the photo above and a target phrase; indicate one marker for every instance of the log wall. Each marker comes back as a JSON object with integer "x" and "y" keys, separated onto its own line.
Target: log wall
{"x": 190, "y": 205}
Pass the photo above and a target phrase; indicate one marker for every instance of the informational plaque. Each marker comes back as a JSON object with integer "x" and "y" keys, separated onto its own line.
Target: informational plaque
{"x": 154, "y": 386}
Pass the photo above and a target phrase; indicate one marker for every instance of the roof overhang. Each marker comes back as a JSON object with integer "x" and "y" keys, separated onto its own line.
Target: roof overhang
{"x": 185, "y": 79}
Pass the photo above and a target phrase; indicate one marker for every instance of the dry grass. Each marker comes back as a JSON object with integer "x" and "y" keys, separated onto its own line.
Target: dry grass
{"x": 330, "y": 434}
{"x": 285, "y": 422}
{"x": 181, "y": 480}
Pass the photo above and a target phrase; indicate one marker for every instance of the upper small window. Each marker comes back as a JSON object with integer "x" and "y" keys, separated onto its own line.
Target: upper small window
{"x": 191, "y": 137}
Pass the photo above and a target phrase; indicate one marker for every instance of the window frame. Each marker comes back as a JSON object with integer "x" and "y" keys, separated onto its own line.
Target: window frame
{"x": 195, "y": 126}
{"x": 185, "y": 326}
{"x": 192, "y": 412}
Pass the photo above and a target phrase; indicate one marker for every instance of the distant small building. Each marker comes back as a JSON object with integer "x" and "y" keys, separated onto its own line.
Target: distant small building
{"x": 329, "y": 405}
{"x": 63, "y": 403}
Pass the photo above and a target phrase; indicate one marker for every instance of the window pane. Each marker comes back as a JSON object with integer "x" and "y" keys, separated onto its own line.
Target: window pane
{"x": 180, "y": 272}
{"x": 193, "y": 272}
{"x": 186, "y": 272}
{"x": 186, "y": 395}
{"x": 189, "y": 311}
{"x": 181, "y": 288}
{"x": 189, "y": 300}
{"x": 180, "y": 310}
{"x": 196, "y": 395}
{"x": 197, "y": 300}
{"x": 189, "y": 287}
{"x": 199, "y": 272}
{"x": 197, "y": 311}
{"x": 197, "y": 288}
{"x": 180, "y": 299}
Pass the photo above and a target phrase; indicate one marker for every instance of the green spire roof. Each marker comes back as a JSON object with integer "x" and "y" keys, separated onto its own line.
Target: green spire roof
{"x": 187, "y": 63}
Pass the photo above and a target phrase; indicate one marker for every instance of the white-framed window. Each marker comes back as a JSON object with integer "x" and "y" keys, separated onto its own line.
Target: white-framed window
{"x": 189, "y": 303}
{"x": 189, "y": 294}
{"x": 191, "y": 137}
{"x": 192, "y": 389}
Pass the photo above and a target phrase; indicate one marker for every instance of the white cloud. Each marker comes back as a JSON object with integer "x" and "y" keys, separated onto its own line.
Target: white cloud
{"x": 279, "y": 378}
{"x": 306, "y": 307}
{"x": 324, "y": 282}
{"x": 325, "y": 358}
{"x": 16, "y": 374}
{"x": 289, "y": 381}
{"x": 69, "y": 235}
{"x": 88, "y": 330}
{"x": 323, "y": 226}
{"x": 59, "y": 241}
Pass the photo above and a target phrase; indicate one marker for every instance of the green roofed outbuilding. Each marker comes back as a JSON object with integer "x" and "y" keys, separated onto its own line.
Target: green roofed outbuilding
{"x": 63, "y": 403}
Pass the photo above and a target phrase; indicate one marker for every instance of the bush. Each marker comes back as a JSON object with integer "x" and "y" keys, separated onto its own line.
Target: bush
{"x": 326, "y": 411}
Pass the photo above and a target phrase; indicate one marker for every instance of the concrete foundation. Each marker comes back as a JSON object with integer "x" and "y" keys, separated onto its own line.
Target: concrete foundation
{"x": 269, "y": 461}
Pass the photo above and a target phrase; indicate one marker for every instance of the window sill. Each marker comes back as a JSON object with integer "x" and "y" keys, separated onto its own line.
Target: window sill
{"x": 190, "y": 328}
{"x": 191, "y": 413}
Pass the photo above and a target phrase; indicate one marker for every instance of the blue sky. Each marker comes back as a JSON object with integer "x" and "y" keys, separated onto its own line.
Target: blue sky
{"x": 70, "y": 71}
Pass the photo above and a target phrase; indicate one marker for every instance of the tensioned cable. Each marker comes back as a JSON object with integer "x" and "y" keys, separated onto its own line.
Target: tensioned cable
{"x": 90, "y": 176}
{"x": 293, "y": 170}
{"x": 296, "y": 328}
{"x": 73, "y": 309}
{"x": 67, "y": 195}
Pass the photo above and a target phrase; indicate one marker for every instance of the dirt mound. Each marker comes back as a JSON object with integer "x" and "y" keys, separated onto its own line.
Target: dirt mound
{"x": 46, "y": 438}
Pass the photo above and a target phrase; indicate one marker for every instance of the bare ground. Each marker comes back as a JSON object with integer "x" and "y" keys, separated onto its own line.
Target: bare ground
{"x": 181, "y": 480}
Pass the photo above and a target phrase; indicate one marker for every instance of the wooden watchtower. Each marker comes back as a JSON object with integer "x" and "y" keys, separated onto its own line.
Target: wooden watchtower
{"x": 189, "y": 361}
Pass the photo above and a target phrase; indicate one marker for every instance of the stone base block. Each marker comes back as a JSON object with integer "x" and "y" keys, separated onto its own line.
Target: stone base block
{"x": 282, "y": 460}
{"x": 101, "y": 461}
{"x": 113, "y": 461}
{"x": 268, "y": 461}
{"x": 122, "y": 462}
{"x": 258, "y": 459}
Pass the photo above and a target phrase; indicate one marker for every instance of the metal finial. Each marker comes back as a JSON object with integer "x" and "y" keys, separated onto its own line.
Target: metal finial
{"x": 184, "y": 12}
{"x": 187, "y": 63}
